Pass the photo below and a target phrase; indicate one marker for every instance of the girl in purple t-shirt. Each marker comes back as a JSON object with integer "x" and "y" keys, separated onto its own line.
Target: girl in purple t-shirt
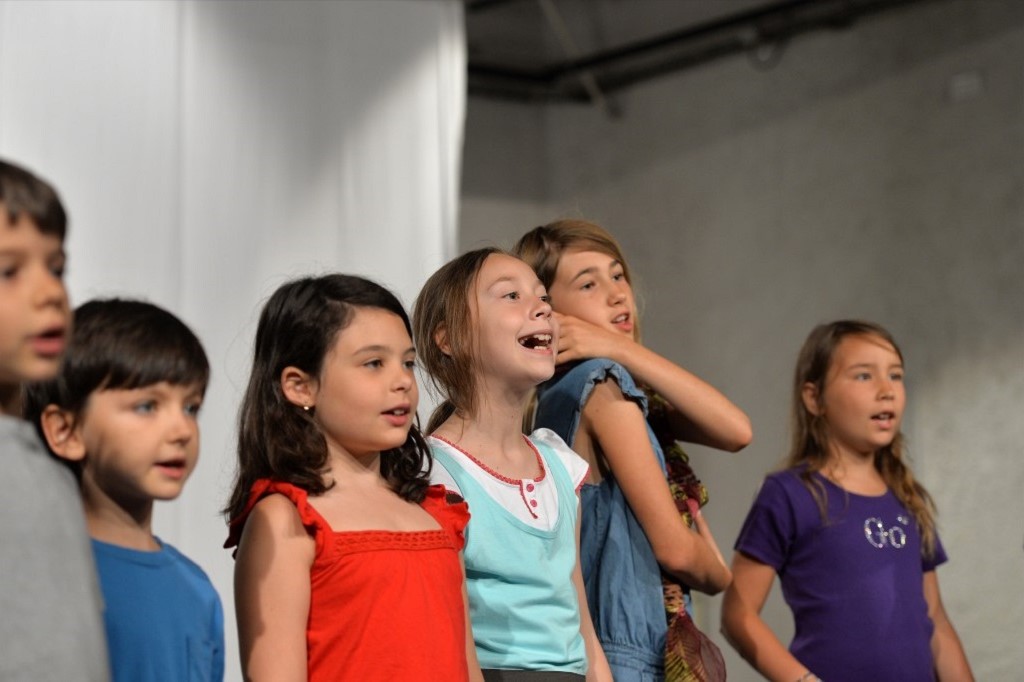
{"x": 849, "y": 530}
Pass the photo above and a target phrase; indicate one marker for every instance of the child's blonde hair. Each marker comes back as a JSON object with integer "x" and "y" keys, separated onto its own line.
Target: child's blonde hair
{"x": 809, "y": 448}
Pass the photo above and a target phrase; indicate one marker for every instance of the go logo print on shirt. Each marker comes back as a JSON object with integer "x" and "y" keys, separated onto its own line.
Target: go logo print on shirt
{"x": 877, "y": 535}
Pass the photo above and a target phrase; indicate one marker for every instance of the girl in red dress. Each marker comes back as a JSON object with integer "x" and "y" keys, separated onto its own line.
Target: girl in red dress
{"x": 347, "y": 561}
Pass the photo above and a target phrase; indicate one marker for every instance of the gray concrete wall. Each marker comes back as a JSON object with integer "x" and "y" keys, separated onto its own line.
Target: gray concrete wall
{"x": 505, "y": 173}
{"x": 876, "y": 173}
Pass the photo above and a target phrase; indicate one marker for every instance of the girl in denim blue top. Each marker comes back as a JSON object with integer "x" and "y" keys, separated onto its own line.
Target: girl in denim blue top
{"x": 622, "y": 407}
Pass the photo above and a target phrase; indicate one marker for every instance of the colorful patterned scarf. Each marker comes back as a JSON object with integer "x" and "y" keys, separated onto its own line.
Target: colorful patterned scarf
{"x": 690, "y": 655}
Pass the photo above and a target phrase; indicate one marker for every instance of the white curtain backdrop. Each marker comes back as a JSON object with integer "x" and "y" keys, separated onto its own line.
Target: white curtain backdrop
{"x": 207, "y": 151}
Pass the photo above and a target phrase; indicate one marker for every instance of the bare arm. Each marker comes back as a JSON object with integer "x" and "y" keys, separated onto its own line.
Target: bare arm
{"x": 475, "y": 675}
{"x": 272, "y": 592}
{"x": 702, "y": 414}
{"x": 746, "y": 631}
{"x": 702, "y": 527}
{"x": 617, "y": 426}
{"x": 597, "y": 665}
{"x": 950, "y": 660}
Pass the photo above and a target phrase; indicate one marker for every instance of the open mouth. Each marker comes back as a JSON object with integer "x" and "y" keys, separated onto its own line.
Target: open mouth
{"x": 883, "y": 417}
{"x": 623, "y": 322}
{"x": 172, "y": 468}
{"x": 398, "y": 417}
{"x": 536, "y": 341}
{"x": 49, "y": 342}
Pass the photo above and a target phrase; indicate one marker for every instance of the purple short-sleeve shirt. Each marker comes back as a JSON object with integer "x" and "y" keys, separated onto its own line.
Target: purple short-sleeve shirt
{"x": 854, "y": 584}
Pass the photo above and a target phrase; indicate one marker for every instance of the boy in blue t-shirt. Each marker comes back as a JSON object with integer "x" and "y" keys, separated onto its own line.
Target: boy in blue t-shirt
{"x": 122, "y": 413}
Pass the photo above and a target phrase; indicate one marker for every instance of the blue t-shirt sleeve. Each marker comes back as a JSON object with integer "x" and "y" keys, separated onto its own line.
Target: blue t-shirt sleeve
{"x": 768, "y": 532}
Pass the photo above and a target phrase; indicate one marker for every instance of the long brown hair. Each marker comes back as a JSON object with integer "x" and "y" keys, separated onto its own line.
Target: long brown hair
{"x": 809, "y": 448}
{"x": 443, "y": 308}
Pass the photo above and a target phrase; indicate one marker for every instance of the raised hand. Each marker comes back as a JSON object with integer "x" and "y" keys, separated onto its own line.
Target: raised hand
{"x": 578, "y": 340}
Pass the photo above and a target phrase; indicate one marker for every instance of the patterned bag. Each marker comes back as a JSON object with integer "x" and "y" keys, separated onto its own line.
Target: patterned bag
{"x": 690, "y": 655}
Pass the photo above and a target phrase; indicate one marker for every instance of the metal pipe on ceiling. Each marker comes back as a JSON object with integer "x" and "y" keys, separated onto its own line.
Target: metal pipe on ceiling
{"x": 620, "y": 67}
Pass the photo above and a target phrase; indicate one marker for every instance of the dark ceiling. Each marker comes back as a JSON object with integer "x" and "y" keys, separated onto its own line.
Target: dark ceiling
{"x": 584, "y": 50}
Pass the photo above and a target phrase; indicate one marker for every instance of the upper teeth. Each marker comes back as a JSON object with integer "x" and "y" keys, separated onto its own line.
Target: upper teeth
{"x": 536, "y": 340}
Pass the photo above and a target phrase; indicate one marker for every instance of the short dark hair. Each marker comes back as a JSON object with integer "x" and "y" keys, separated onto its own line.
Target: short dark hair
{"x": 119, "y": 344}
{"x": 24, "y": 194}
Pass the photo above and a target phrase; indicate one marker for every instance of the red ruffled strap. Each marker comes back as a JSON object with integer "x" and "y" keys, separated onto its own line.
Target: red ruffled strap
{"x": 450, "y": 510}
{"x": 311, "y": 519}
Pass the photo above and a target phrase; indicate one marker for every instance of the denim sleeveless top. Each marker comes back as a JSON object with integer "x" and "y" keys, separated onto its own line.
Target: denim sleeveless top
{"x": 621, "y": 574}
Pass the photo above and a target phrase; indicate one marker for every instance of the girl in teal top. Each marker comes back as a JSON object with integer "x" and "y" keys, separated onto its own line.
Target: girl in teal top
{"x": 484, "y": 334}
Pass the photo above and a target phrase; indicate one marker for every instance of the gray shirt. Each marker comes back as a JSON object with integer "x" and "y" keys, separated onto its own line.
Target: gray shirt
{"x": 51, "y": 625}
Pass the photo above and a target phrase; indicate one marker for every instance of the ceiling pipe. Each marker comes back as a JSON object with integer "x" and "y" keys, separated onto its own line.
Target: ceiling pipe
{"x": 620, "y": 67}
{"x": 572, "y": 50}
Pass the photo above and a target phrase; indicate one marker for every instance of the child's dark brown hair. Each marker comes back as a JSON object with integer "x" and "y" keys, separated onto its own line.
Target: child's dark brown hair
{"x": 279, "y": 440}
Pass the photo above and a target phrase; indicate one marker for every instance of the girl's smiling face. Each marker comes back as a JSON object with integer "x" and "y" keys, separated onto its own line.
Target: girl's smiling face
{"x": 515, "y": 334}
{"x": 592, "y": 286}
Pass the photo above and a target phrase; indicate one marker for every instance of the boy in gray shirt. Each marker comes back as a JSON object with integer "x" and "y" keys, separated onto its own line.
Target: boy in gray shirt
{"x": 50, "y": 606}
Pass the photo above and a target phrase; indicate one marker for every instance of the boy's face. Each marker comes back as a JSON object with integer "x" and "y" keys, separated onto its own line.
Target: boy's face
{"x": 140, "y": 444}
{"x": 34, "y": 311}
